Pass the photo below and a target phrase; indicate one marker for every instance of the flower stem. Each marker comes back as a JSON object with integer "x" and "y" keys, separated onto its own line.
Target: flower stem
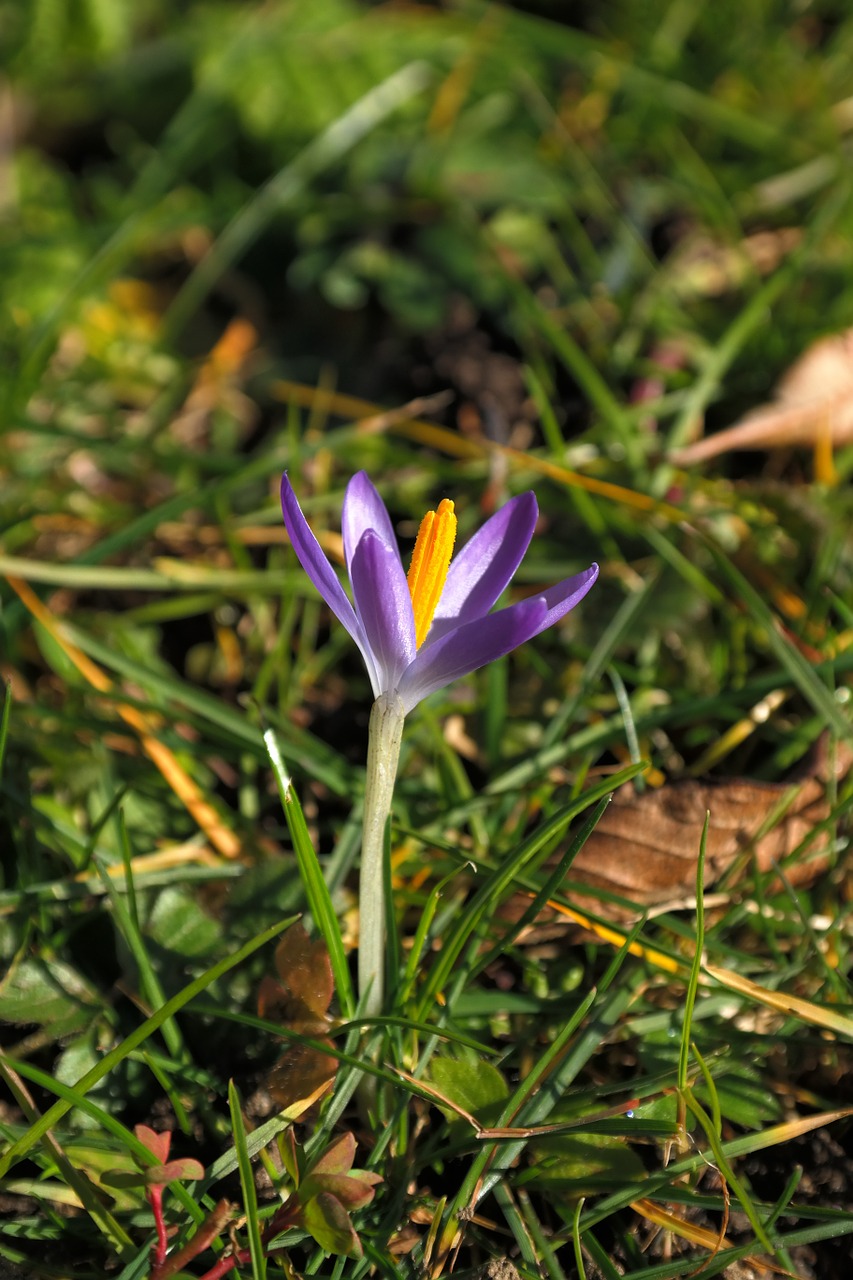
{"x": 383, "y": 753}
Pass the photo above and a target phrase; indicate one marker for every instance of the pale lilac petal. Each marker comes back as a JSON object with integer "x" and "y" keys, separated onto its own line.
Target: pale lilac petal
{"x": 476, "y": 643}
{"x": 321, "y": 573}
{"x": 384, "y": 608}
{"x": 482, "y": 569}
{"x": 363, "y": 509}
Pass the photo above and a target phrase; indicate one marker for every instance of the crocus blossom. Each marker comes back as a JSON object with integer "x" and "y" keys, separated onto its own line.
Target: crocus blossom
{"x": 418, "y": 635}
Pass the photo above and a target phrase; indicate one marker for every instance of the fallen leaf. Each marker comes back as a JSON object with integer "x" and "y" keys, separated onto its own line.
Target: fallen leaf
{"x": 812, "y": 405}
{"x": 300, "y": 1002}
{"x": 300, "y": 1077}
{"x": 645, "y": 847}
{"x": 307, "y": 986}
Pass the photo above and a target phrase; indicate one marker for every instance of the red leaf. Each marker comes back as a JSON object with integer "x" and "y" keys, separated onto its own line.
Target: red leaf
{"x": 176, "y": 1171}
{"x": 353, "y": 1192}
{"x": 338, "y": 1157}
{"x": 157, "y": 1143}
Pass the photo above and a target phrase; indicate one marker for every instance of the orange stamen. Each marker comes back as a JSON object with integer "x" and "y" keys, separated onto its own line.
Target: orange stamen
{"x": 430, "y": 563}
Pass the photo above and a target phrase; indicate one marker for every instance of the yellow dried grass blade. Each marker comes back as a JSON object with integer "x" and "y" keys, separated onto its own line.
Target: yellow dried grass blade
{"x": 372, "y": 419}
{"x": 699, "y": 1235}
{"x": 680, "y": 1226}
{"x": 723, "y": 746}
{"x": 222, "y": 839}
{"x": 790, "y": 1129}
{"x": 824, "y": 460}
{"x": 616, "y": 938}
{"x": 146, "y": 864}
{"x": 805, "y": 1010}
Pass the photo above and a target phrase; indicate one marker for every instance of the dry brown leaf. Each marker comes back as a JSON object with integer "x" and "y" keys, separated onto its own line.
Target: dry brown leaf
{"x": 300, "y": 1077}
{"x": 300, "y": 1002}
{"x": 812, "y": 404}
{"x": 307, "y": 983}
{"x": 646, "y": 846}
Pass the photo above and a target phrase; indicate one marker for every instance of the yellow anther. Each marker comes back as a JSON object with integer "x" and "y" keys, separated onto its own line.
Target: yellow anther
{"x": 430, "y": 563}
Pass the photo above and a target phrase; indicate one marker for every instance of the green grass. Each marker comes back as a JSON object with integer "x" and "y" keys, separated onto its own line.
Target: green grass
{"x": 236, "y": 239}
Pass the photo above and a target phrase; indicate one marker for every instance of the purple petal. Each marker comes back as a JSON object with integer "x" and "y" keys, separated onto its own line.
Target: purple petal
{"x": 469, "y": 647}
{"x": 563, "y": 597}
{"x": 313, "y": 559}
{"x": 483, "y": 568}
{"x": 321, "y": 573}
{"x": 475, "y": 643}
{"x": 364, "y": 509}
{"x": 384, "y": 608}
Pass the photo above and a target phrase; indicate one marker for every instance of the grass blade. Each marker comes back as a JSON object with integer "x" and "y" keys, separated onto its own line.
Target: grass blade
{"x": 20, "y": 1149}
{"x": 247, "y": 1182}
{"x": 316, "y": 889}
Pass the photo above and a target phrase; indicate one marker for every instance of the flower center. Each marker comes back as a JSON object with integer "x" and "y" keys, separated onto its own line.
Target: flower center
{"x": 430, "y": 563}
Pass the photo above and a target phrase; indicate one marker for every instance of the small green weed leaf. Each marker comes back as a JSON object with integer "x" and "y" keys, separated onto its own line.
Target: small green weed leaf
{"x": 110, "y": 1166}
{"x": 578, "y": 1165}
{"x": 474, "y": 1086}
{"x": 50, "y": 993}
{"x": 664, "y": 1109}
{"x": 124, "y": 1179}
{"x": 743, "y": 1098}
{"x": 55, "y": 656}
{"x": 326, "y": 1219}
{"x": 261, "y": 891}
{"x": 79, "y": 1056}
{"x": 179, "y": 924}
{"x": 286, "y": 1143}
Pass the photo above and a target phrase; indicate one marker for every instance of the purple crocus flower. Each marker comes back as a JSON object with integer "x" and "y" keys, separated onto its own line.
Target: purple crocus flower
{"x": 418, "y": 635}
